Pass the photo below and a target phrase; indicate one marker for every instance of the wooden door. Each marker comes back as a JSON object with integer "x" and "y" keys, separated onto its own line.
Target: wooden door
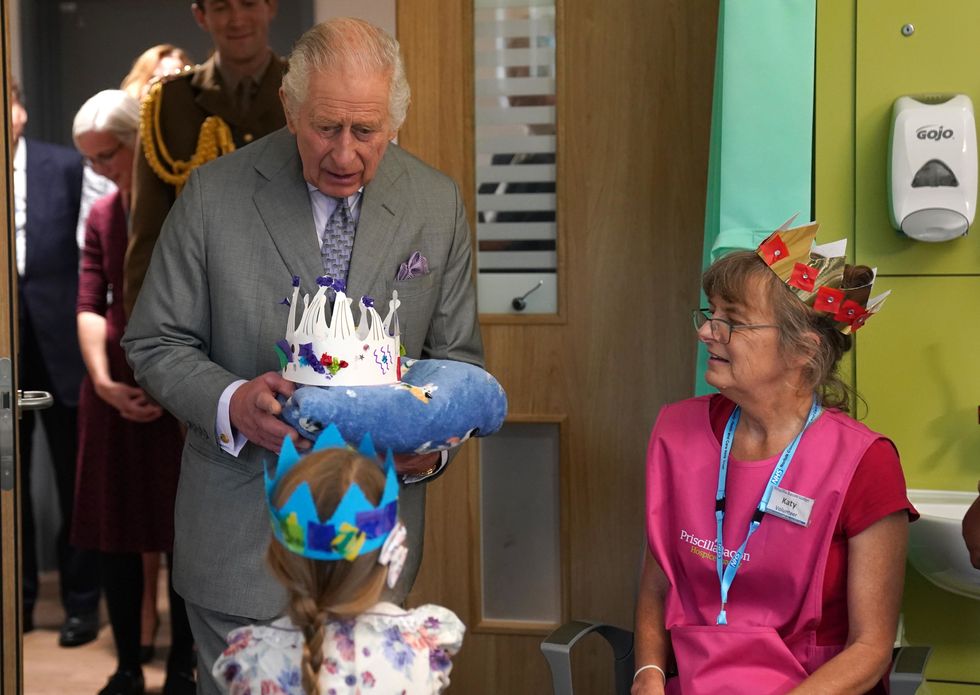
{"x": 634, "y": 107}
{"x": 11, "y": 672}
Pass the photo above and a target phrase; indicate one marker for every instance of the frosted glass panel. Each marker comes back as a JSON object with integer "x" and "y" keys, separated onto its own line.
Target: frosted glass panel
{"x": 514, "y": 90}
{"x": 520, "y": 524}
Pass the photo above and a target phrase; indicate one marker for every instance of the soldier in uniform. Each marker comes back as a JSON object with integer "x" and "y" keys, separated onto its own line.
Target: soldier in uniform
{"x": 200, "y": 113}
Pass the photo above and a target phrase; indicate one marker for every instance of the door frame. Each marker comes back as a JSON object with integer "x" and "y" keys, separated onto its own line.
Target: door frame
{"x": 11, "y": 643}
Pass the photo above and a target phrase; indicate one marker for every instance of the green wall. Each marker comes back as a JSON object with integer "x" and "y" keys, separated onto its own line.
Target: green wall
{"x": 918, "y": 364}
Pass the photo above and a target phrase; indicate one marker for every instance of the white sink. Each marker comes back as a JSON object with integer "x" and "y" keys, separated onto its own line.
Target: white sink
{"x": 936, "y": 547}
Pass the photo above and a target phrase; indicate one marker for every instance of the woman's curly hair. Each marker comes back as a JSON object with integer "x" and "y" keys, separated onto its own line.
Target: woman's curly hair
{"x": 728, "y": 278}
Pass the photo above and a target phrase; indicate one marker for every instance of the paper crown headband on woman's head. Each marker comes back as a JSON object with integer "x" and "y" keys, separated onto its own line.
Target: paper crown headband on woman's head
{"x": 356, "y": 526}
{"x": 815, "y": 274}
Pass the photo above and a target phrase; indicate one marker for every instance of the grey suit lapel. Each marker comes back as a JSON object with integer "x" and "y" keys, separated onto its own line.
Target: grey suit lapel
{"x": 382, "y": 209}
{"x": 284, "y": 206}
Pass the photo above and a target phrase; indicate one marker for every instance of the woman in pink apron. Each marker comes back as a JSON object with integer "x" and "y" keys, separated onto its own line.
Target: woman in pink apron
{"x": 777, "y": 525}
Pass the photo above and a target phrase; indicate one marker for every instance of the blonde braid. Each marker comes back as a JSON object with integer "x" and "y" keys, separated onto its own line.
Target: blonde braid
{"x": 213, "y": 140}
{"x": 312, "y": 623}
{"x": 336, "y": 589}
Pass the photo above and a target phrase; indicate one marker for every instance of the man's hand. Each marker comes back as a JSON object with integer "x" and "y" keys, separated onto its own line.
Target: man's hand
{"x": 254, "y": 412}
{"x": 416, "y": 464}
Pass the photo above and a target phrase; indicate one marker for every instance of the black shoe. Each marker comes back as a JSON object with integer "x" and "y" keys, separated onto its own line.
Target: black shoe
{"x": 79, "y": 630}
{"x": 28, "y": 623}
{"x": 124, "y": 683}
{"x": 147, "y": 652}
{"x": 179, "y": 683}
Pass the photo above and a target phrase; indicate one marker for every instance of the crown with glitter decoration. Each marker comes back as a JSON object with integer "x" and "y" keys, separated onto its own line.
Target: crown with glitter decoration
{"x": 340, "y": 353}
{"x": 815, "y": 274}
{"x": 356, "y": 527}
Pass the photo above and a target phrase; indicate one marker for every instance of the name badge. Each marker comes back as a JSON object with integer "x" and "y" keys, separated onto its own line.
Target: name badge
{"x": 790, "y": 506}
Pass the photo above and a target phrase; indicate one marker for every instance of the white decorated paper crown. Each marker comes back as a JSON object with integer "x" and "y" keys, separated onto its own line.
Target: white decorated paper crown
{"x": 355, "y": 528}
{"x": 340, "y": 353}
{"x": 815, "y": 274}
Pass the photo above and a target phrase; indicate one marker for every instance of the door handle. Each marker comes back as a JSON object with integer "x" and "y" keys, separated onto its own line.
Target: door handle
{"x": 34, "y": 400}
{"x": 11, "y": 404}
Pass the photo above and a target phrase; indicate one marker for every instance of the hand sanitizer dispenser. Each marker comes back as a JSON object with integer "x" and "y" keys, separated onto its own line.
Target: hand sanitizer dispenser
{"x": 933, "y": 167}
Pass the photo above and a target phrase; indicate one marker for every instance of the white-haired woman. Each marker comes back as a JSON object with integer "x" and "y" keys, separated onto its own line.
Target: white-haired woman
{"x": 129, "y": 448}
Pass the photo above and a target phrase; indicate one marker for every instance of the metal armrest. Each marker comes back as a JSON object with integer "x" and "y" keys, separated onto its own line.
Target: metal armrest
{"x": 558, "y": 645}
{"x": 906, "y": 675}
{"x": 908, "y": 670}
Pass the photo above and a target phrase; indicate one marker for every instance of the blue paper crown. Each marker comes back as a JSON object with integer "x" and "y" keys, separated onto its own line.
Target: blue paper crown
{"x": 356, "y": 527}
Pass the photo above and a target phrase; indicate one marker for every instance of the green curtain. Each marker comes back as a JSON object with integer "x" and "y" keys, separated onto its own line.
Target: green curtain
{"x": 760, "y": 161}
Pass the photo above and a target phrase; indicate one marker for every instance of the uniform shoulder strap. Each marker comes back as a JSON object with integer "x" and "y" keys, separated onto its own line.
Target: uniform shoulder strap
{"x": 213, "y": 140}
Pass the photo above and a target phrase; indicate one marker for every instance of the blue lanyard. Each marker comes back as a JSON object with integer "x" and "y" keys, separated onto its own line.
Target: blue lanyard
{"x": 726, "y": 575}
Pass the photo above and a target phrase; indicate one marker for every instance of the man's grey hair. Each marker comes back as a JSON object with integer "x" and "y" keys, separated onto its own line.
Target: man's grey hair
{"x": 110, "y": 111}
{"x": 346, "y": 43}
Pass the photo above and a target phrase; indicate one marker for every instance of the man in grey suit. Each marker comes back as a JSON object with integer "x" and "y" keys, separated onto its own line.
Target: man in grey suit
{"x": 201, "y": 338}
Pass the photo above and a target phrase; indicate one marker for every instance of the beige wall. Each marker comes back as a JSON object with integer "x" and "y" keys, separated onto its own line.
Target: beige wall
{"x": 13, "y": 16}
{"x": 380, "y": 12}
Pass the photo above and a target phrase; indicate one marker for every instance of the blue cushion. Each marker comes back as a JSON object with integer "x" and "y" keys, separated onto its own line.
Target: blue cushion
{"x": 437, "y": 405}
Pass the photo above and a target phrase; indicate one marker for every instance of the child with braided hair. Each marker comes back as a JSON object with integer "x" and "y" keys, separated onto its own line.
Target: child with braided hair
{"x": 337, "y": 636}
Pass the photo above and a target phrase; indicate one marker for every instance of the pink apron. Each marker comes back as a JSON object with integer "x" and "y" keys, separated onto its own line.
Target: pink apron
{"x": 774, "y": 604}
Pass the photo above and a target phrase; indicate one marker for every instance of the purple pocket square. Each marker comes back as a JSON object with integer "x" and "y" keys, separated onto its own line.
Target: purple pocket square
{"x": 416, "y": 266}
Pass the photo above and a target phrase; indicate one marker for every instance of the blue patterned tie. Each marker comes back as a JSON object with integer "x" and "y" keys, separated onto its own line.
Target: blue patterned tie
{"x": 338, "y": 240}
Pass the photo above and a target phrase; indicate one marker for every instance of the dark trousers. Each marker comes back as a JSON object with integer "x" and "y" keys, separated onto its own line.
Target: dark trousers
{"x": 78, "y": 569}
{"x": 122, "y": 579}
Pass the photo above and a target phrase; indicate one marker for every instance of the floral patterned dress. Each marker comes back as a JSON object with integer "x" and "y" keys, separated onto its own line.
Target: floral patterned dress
{"x": 385, "y": 650}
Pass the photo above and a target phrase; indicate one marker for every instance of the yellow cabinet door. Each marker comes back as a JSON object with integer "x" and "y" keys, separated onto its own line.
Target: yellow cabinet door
{"x": 939, "y": 57}
{"x": 918, "y": 368}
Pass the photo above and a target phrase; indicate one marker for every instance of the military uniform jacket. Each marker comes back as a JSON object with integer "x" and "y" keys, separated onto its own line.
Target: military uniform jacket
{"x": 187, "y": 99}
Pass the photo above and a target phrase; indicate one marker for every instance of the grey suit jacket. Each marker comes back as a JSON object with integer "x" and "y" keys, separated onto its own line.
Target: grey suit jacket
{"x": 210, "y": 313}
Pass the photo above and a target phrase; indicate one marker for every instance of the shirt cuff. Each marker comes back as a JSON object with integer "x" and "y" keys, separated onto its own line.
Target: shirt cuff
{"x": 430, "y": 474}
{"x": 228, "y": 439}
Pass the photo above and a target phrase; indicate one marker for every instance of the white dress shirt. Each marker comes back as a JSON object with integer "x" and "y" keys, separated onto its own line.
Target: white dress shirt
{"x": 20, "y": 205}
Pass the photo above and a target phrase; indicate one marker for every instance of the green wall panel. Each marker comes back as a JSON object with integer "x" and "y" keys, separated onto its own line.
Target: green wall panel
{"x": 833, "y": 132}
{"x": 833, "y": 128}
{"x": 941, "y": 56}
{"x": 947, "y": 623}
{"x": 917, "y": 364}
{"x": 948, "y": 689}
{"x": 918, "y": 367}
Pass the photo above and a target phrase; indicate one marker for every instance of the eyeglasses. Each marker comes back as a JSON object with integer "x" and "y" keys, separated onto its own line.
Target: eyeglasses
{"x": 721, "y": 330}
{"x": 104, "y": 158}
